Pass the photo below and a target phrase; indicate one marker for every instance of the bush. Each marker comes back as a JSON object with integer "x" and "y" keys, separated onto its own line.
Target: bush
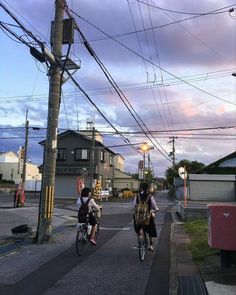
{"x": 7, "y": 181}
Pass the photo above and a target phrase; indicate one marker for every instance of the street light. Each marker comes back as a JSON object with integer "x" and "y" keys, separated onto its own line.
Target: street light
{"x": 145, "y": 147}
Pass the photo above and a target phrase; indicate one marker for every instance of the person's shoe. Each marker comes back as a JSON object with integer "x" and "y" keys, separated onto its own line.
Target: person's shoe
{"x": 92, "y": 240}
{"x": 151, "y": 248}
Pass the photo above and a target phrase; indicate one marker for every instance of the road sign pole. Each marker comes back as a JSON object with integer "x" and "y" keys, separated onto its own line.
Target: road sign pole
{"x": 185, "y": 188}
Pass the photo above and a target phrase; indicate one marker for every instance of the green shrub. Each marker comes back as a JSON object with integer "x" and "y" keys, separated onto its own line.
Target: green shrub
{"x": 7, "y": 181}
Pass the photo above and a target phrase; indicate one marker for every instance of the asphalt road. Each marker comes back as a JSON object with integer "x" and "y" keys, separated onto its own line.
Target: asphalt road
{"x": 111, "y": 267}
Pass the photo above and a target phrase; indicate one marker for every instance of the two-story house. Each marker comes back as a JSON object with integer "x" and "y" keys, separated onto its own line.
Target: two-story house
{"x": 9, "y": 170}
{"x": 83, "y": 154}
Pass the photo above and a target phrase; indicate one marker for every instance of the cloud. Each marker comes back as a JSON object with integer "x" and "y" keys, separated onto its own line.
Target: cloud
{"x": 163, "y": 102}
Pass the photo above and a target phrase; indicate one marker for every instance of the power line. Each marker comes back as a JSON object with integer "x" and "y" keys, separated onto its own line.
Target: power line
{"x": 189, "y": 13}
{"x": 139, "y": 43}
{"x": 117, "y": 89}
{"x": 21, "y": 25}
{"x": 147, "y": 29}
{"x": 195, "y": 37}
{"x": 169, "y": 73}
{"x": 131, "y": 86}
{"x": 153, "y": 131}
{"x": 180, "y": 130}
{"x": 104, "y": 117}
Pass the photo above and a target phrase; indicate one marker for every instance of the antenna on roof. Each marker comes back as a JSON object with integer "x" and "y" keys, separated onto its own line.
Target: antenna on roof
{"x": 90, "y": 123}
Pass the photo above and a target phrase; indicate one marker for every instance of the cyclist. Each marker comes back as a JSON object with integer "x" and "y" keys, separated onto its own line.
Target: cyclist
{"x": 151, "y": 227}
{"x": 86, "y": 194}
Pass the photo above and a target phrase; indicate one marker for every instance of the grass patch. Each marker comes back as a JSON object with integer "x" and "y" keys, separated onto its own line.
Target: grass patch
{"x": 198, "y": 231}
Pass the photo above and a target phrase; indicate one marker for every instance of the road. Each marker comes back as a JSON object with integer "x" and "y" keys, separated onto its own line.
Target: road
{"x": 111, "y": 267}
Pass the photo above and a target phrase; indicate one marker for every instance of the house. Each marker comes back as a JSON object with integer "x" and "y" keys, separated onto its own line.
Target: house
{"x": 215, "y": 182}
{"x": 79, "y": 155}
{"x": 119, "y": 162}
{"x": 122, "y": 180}
{"x": 226, "y": 165}
{"x": 9, "y": 170}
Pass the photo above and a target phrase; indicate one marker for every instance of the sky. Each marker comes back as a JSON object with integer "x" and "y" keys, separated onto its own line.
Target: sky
{"x": 172, "y": 61}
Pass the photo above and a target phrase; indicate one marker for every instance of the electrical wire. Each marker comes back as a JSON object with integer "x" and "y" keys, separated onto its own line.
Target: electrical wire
{"x": 104, "y": 117}
{"x": 195, "y": 37}
{"x": 169, "y": 73}
{"x": 28, "y": 33}
{"x": 119, "y": 92}
{"x": 147, "y": 29}
{"x": 139, "y": 43}
{"x": 162, "y": 79}
{"x": 189, "y": 13}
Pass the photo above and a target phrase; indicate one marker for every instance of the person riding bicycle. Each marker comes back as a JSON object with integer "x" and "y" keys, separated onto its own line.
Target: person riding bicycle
{"x": 85, "y": 196}
{"x": 151, "y": 227}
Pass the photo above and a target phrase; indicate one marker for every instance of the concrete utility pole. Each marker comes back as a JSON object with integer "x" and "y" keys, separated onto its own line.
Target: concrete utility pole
{"x": 25, "y": 151}
{"x": 91, "y": 170}
{"x": 173, "y": 150}
{"x": 44, "y": 232}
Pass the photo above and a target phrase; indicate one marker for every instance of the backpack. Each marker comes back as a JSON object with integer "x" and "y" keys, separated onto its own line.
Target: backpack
{"x": 142, "y": 212}
{"x": 83, "y": 210}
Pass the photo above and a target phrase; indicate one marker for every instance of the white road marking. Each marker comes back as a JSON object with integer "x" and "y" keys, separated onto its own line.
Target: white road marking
{"x": 114, "y": 228}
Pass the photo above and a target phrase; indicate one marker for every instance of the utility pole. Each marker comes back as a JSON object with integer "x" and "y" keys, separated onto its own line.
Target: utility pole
{"x": 172, "y": 154}
{"x": 44, "y": 231}
{"x": 91, "y": 172}
{"x": 25, "y": 151}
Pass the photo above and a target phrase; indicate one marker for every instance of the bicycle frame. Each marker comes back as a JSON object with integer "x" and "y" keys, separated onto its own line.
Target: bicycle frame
{"x": 83, "y": 234}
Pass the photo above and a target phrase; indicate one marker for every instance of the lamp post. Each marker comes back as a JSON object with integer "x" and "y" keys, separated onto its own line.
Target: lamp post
{"x": 145, "y": 147}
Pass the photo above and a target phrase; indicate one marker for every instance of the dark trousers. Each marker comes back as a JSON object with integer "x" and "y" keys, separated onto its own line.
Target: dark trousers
{"x": 150, "y": 228}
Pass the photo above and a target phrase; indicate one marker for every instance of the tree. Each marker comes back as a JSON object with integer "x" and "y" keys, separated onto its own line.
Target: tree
{"x": 191, "y": 167}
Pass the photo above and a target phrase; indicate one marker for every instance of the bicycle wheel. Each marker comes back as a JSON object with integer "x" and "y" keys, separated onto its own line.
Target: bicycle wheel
{"x": 81, "y": 242}
{"x": 147, "y": 241}
{"x": 141, "y": 247}
{"x": 97, "y": 232}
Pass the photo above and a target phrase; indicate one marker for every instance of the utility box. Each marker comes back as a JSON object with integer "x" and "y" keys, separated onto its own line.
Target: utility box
{"x": 222, "y": 226}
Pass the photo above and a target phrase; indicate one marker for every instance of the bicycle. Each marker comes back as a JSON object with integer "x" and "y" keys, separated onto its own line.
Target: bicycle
{"x": 143, "y": 243}
{"x": 83, "y": 233}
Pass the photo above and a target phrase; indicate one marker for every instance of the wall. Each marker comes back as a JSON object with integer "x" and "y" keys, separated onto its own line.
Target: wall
{"x": 212, "y": 187}
{"x": 122, "y": 180}
{"x": 65, "y": 186}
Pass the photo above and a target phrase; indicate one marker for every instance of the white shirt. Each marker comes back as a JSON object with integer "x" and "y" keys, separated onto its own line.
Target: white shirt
{"x": 91, "y": 204}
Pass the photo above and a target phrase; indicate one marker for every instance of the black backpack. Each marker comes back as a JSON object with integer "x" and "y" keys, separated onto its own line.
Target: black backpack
{"x": 83, "y": 210}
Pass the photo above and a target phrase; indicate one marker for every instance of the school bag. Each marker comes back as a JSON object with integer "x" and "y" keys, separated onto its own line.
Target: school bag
{"x": 142, "y": 212}
{"x": 83, "y": 210}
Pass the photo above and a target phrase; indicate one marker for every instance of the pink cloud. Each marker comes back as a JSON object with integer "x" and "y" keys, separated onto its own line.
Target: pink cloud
{"x": 188, "y": 108}
{"x": 221, "y": 110}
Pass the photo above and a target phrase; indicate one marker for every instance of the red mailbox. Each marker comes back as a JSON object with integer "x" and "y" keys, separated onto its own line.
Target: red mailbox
{"x": 222, "y": 226}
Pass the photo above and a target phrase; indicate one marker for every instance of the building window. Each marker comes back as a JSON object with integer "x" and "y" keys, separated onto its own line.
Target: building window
{"x": 61, "y": 154}
{"x": 102, "y": 156}
{"x": 82, "y": 154}
{"x": 110, "y": 160}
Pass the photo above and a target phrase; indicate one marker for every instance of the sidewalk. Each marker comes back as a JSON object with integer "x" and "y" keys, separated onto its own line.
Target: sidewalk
{"x": 187, "y": 278}
{"x": 24, "y": 256}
